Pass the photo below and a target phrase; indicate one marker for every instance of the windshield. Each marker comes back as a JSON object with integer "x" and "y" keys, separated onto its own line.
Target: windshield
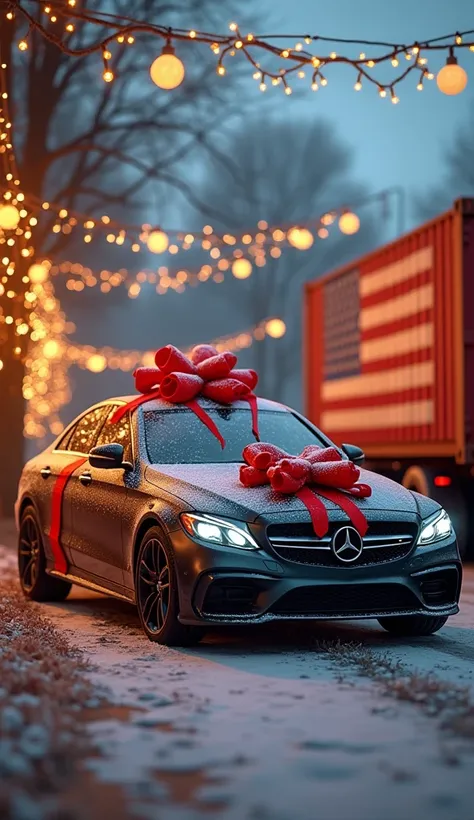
{"x": 179, "y": 437}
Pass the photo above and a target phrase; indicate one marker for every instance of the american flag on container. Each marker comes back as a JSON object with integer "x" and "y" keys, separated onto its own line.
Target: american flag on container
{"x": 378, "y": 362}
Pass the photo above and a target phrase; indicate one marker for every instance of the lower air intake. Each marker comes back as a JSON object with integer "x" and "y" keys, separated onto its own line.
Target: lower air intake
{"x": 230, "y": 597}
{"x": 346, "y": 599}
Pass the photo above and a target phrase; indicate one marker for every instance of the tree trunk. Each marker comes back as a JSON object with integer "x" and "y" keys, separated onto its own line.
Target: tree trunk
{"x": 11, "y": 428}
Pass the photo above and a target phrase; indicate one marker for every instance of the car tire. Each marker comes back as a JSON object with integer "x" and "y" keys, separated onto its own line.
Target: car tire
{"x": 413, "y": 625}
{"x": 35, "y": 582}
{"x": 156, "y": 592}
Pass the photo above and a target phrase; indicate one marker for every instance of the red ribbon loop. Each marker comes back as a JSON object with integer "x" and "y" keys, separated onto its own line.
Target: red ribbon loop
{"x": 180, "y": 387}
{"x": 317, "y": 471}
{"x": 180, "y": 380}
{"x": 216, "y": 367}
{"x": 169, "y": 359}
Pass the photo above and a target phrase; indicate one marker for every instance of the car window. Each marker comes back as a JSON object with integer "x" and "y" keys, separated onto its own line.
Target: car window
{"x": 85, "y": 431}
{"x": 179, "y": 437}
{"x": 119, "y": 433}
{"x": 63, "y": 443}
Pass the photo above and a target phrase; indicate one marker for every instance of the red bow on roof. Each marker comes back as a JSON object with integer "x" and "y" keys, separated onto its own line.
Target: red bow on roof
{"x": 322, "y": 469}
{"x": 180, "y": 380}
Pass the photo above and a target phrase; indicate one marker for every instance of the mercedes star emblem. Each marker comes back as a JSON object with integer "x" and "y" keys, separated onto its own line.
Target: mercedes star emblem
{"x": 347, "y": 544}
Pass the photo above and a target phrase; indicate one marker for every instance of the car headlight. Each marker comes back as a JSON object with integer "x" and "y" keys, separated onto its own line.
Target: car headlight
{"x": 435, "y": 528}
{"x": 218, "y": 531}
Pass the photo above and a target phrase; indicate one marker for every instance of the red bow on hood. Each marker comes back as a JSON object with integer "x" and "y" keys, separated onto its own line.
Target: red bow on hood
{"x": 321, "y": 468}
{"x": 180, "y": 380}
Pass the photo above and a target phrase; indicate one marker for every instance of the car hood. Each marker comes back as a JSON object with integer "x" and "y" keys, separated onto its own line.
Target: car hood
{"x": 215, "y": 489}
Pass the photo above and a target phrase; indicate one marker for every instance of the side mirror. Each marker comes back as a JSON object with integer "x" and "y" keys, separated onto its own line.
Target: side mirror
{"x": 108, "y": 457}
{"x": 354, "y": 454}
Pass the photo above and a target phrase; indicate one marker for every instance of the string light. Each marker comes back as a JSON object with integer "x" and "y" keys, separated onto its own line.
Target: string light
{"x": 452, "y": 79}
{"x": 46, "y": 385}
{"x": 275, "y": 328}
{"x": 138, "y": 238}
{"x": 9, "y": 217}
{"x": 300, "y": 238}
{"x": 168, "y": 70}
{"x": 157, "y": 241}
{"x": 39, "y": 272}
{"x": 349, "y": 223}
{"x": 241, "y": 268}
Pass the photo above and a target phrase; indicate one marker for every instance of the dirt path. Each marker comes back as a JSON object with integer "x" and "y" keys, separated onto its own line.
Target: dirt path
{"x": 262, "y": 724}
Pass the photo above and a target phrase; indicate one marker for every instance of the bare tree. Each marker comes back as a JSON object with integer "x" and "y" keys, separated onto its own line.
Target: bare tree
{"x": 289, "y": 173}
{"x": 457, "y": 172}
{"x": 90, "y": 145}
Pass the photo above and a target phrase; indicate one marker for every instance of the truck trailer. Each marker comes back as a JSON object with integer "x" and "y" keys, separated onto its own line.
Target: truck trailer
{"x": 389, "y": 361}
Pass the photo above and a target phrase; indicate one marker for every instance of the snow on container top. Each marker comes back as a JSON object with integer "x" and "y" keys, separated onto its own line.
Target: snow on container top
{"x": 389, "y": 344}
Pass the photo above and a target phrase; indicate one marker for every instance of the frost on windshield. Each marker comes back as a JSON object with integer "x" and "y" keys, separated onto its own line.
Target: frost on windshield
{"x": 177, "y": 436}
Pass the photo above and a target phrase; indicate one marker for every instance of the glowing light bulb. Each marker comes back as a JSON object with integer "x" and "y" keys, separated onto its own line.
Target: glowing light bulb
{"x": 51, "y": 349}
{"x": 300, "y": 238}
{"x": 275, "y": 328}
{"x": 349, "y": 223}
{"x": 108, "y": 75}
{"x": 39, "y": 272}
{"x": 452, "y": 79}
{"x": 9, "y": 217}
{"x": 96, "y": 363}
{"x": 157, "y": 242}
{"x": 167, "y": 71}
{"x": 241, "y": 268}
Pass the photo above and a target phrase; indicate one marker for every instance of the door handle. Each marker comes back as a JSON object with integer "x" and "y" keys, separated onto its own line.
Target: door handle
{"x": 45, "y": 472}
{"x": 85, "y": 478}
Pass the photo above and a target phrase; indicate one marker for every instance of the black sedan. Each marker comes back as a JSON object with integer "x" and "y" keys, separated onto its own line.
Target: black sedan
{"x": 150, "y": 510}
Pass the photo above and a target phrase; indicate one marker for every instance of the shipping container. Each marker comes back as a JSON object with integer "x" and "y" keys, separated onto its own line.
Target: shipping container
{"x": 389, "y": 357}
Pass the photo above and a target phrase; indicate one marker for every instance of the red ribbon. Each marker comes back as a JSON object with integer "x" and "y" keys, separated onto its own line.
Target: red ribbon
{"x": 60, "y": 561}
{"x": 180, "y": 380}
{"x": 317, "y": 471}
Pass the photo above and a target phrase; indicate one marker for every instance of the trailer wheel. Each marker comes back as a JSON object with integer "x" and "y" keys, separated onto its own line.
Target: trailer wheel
{"x": 421, "y": 480}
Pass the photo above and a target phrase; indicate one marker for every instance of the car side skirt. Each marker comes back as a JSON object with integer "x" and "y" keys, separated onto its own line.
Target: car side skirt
{"x": 84, "y": 582}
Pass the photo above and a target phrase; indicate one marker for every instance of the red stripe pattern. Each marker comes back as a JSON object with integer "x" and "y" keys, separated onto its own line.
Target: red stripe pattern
{"x": 381, "y": 356}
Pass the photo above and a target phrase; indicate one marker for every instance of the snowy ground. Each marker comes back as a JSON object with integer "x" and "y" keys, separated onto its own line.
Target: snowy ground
{"x": 263, "y": 724}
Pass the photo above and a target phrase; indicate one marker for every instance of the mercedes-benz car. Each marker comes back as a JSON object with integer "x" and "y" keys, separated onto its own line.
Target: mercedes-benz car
{"x": 150, "y": 510}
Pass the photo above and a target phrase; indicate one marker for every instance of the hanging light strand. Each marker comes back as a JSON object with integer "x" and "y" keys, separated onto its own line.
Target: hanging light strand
{"x": 158, "y": 241}
{"x": 286, "y": 61}
{"x": 16, "y": 296}
{"x": 47, "y": 386}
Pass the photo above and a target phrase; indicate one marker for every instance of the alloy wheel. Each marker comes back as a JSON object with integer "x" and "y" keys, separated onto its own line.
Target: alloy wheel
{"x": 154, "y": 585}
{"x": 29, "y": 553}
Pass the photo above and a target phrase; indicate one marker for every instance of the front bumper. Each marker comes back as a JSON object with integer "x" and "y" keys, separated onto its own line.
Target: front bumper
{"x": 220, "y": 585}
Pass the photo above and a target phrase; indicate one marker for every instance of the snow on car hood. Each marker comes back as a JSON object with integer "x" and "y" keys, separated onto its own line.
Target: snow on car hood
{"x": 216, "y": 489}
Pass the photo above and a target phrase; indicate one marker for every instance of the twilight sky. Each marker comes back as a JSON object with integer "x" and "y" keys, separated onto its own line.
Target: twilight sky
{"x": 393, "y": 144}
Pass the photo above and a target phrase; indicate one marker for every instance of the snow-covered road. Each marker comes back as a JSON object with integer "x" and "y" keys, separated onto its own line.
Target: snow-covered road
{"x": 259, "y": 723}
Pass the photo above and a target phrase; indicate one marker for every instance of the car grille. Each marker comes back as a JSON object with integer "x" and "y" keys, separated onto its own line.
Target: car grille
{"x": 384, "y": 542}
{"x": 346, "y": 600}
